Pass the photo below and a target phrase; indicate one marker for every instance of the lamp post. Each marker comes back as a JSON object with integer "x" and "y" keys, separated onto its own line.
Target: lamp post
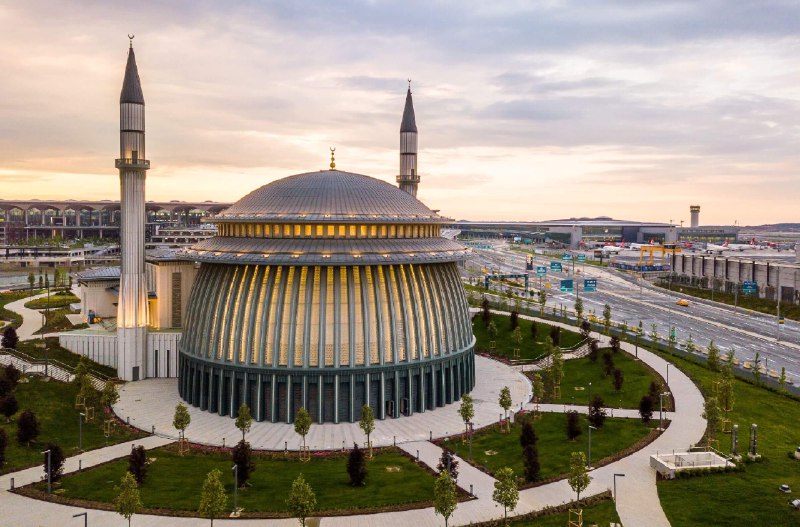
{"x": 615, "y": 486}
{"x": 85, "y": 518}
{"x": 589, "y": 403}
{"x": 668, "y": 375}
{"x": 235, "y": 469}
{"x": 48, "y": 469}
{"x": 471, "y": 425}
{"x": 589, "y": 460}
{"x": 661, "y": 410}
{"x": 81, "y": 415}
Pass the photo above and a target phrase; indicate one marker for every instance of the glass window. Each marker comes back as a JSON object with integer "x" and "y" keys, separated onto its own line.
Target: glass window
{"x": 308, "y": 230}
{"x": 297, "y": 230}
{"x": 330, "y": 231}
{"x": 276, "y": 231}
{"x": 342, "y": 231}
{"x": 352, "y": 231}
{"x": 362, "y": 231}
{"x": 383, "y": 231}
{"x": 392, "y": 231}
{"x": 401, "y": 231}
{"x": 373, "y": 231}
{"x": 287, "y": 231}
{"x": 318, "y": 230}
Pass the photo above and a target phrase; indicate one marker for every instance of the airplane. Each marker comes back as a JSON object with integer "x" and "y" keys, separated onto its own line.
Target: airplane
{"x": 611, "y": 249}
{"x": 716, "y": 249}
{"x": 743, "y": 246}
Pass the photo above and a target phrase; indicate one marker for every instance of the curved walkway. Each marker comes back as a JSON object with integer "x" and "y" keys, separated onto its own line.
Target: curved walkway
{"x": 31, "y": 318}
{"x": 637, "y": 502}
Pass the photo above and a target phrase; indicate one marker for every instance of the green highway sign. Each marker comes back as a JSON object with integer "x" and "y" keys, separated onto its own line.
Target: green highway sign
{"x": 555, "y": 266}
{"x": 590, "y": 284}
{"x": 541, "y": 270}
{"x": 566, "y": 286}
{"x": 566, "y": 257}
{"x": 581, "y": 257}
{"x": 749, "y": 287}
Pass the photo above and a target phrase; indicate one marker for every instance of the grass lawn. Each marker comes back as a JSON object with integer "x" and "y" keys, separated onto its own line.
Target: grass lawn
{"x": 174, "y": 482}
{"x": 750, "y": 497}
{"x": 35, "y": 349}
{"x": 762, "y": 305}
{"x": 56, "y": 320}
{"x": 53, "y": 403}
{"x": 55, "y": 300}
{"x": 601, "y": 513}
{"x": 505, "y": 345}
{"x": 5, "y": 314}
{"x": 578, "y": 373}
{"x": 494, "y": 450}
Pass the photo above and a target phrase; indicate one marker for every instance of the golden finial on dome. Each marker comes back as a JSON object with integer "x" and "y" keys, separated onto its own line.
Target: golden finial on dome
{"x": 333, "y": 162}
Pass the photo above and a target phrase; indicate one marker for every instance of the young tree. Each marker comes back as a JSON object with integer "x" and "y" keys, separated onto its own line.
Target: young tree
{"x": 782, "y": 379}
{"x": 8, "y": 406}
{"x": 534, "y": 331}
{"x": 486, "y": 312}
{"x": 356, "y": 466}
{"x": 367, "y": 423}
{"x": 586, "y": 329}
{"x": 41, "y": 282}
{"x": 615, "y": 344}
{"x": 56, "y": 466}
{"x": 182, "y": 419}
{"x": 757, "y": 368}
{"x": 137, "y": 463}
{"x": 505, "y": 400}
{"x": 506, "y": 492}
{"x": 3, "y": 445}
{"x": 579, "y": 308}
{"x": 302, "y": 423}
{"x": 619, "y": 378}
{"x": 555, "y": 335}
{"x": 673, "y": 340}
{"x": 516, "y": 336}
{"x": 654, "y": 332}
{"x": 725, "y": 390}
{"x": 466, "y": 410}
{"x": 713, "y": 357}
{"x": 27, "y": 427}
{"x": 492, "y": 330}
{"x": 213, "y": 499}
{"x": 655, "y": 389}
{"x": 640, "y": 328}
{"x": 445, "y": 496}
{"x": 514, "y": 319}
{"x": 712, "y": 415}
{"x": 538, "y": 387}
{"x": 594, "y": 350}
{"x": 448, "y": 463}
{"x": 597, "y": 412}
{"x": 528, "y": 434}
{"x": 729, "y": 357}
{"x": 13, "y": 375}
{"x": 31, "y": 281}
{"x": 608, "y": 363}
{"x": 302, "y": 501}
{"x": 243, "y": 420}
{"x": 109, "y": 397}
{"x": 607, "y": 317}
{"x": 690, "y": 345}
{"x": 243, "y": 459}
{"x": 10, "y": 338}
{"x": 128, "y": 501}
{"x": 530, "y": 460}
{"x": 646, "y": 405}
{"x": 578, "y": 478}
{"x": 542, "y": 297}
{"x": 573, "y": 425}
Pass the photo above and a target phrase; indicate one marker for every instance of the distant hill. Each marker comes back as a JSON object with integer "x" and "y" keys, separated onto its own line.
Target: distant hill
{"x": 774, "y": 227}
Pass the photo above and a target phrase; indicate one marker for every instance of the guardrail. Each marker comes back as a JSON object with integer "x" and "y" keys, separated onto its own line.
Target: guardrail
{"x": 51, "y": 368}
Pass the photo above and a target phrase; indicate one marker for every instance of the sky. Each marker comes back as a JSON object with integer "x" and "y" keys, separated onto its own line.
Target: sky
{"x": 526, "y": 110}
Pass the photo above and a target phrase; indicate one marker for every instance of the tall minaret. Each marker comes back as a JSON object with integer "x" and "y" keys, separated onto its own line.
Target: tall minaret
{"x": 408, "y": 179}
{"x": 132, "y": 165}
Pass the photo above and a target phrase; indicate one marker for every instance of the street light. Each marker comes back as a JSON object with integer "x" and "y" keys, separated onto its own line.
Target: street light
{"x": 235, "y": 469}
{"x": 589, "y": 404}
{"x": 661, "y": 410}
{"x": 668, "y": 375}
{"x": 81, "y": 415}
{"x": 85, "y": 518}
{"x": 589, "y": 464}
{"x": 48, "y": 469}
{"x": 615, "y": 486}
{"x": 471, "y": 425}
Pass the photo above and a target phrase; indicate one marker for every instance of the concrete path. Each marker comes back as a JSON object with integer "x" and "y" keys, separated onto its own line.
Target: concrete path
{"x": 31, "y": 318}
{"x": 637, "y": 497}
{"x": 152, "y": 402}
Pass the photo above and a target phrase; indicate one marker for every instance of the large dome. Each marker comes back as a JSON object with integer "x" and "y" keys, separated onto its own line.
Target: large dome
{"x": 329, "y": 291}
{"x": 332, "y": 195}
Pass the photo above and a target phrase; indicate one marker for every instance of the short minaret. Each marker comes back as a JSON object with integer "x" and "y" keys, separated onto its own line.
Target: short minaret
{"x": 133, "y": 166}
{"x": 408, "y": 180}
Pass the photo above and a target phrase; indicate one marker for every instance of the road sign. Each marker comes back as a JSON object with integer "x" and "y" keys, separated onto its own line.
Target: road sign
{"x": 566, "y": 257}
{"x": 590, "y": 284}
{"x": 581, "y": 257}
{"x": 749, "y": 287}
{"x": 541, "y": 270}
{"x": 566, "y": 286}
{"x": 555, "y": 266}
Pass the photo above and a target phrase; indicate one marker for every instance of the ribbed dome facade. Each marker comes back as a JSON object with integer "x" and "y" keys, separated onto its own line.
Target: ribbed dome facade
{"x": 327, "y": 290}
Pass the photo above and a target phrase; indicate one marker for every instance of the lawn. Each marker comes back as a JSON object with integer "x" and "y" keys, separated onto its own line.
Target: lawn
{"x": 529, "y": 349}
{"x": 174, "y": 482}
{"x": 750, "y": 497}
{"x": 56, "y": 320}
{"x": 5, "y": 314}
{"x": 35, "y": 349}
{"x": 578, "y": 373}
{"x": 53, "y": 403}
{"x": 601, "y": 513}
{"x": 493, "y": 450}
{"x": 55, "y": 300}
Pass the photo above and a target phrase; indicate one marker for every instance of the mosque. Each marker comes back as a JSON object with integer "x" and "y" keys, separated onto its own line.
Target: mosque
{"x": 327, "y": 290}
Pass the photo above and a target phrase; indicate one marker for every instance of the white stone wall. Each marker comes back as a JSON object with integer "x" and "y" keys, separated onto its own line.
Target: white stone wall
{"x": 95, "y": 296}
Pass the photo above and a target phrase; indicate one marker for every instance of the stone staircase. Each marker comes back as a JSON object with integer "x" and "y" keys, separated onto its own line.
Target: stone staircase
{"x": 51, "y": 368}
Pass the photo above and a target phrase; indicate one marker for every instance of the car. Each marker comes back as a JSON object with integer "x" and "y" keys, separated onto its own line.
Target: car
{"x": 682, "y": 302}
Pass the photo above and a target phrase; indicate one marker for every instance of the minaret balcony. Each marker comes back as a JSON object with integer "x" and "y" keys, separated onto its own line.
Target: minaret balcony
{"x": 408, "y": 178}
{"x": 132, "y": 163}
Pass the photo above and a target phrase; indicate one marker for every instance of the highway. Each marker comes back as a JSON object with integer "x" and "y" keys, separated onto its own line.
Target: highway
{"x": 633, "y": 300}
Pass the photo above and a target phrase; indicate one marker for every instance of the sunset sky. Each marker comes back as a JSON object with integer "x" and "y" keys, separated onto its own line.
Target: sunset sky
{"x": 526, "y": 110}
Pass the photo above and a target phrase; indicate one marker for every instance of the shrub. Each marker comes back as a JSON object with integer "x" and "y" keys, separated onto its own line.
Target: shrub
{"x": 597, "y": 412}
{"x": 485, "y": 312}
{"x": 555, "y": 335}
{"x": 646, "y": 408}
{"x": 27, "y": 427}
{"x": 608, "y": 363}
{"x": 243, "y": 459}
{"x": 8, "y": 406}
{"x": 530, "y": 458}
{"x": 5, "y": 386}
{"x": 615, "y": 345}
{"x": 573, "y": 425}
{"x": 534, "y": 331}
{"x": 586, "y": 328}
{"x": 357, "y": 466}
{"x": 514, "y": 319}
{"x": 56, "y": 468}
{"x": 528, "y": 435}
{"x": 13, "y": 375}
{"x": 448, "y": 460}
{"x": 10, "y": 338}
{"x": 619, "y": 378}
{"x": 137, "y": 464}
{"x": 594, "y": 349}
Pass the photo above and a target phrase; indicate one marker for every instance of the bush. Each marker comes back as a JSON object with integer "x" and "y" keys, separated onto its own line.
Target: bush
{"x": 137, "y": 464}
{"x": 57, "y": 459}
{"x": 594, "y": 350}
{"x": 243, "y": 459}
{"x": 8, "y": 406}
{"x": 528, "y": 435}
{"x": 619, "y": 378}
{"x": 586, "y": 328}
{"x": 530, "y": 458}
{"x": 534, "y": 331}
{"x": 448, "y": 460}
{"x": 5, "y": 386}
{"x": 13, "y": 375}
{"x": 608, "y": 363}
{"x": 27, "y": 427}
{"x": 573, "y": 425}
{"x": 646, "y": 408}
{"x": 597, "y": 412}
{"x": 10, "y": 338}
{"x": 357, "y": 466}
{"x": 555, "y": 335}
{"x": 485, "y": 312}
{"x": 514, "y": 319}
{"x": 615, "y": 345}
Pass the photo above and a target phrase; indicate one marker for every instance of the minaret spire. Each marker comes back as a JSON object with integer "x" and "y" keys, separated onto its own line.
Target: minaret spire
{"x": 133, "y": 165}
{"x": 408, "y": 179}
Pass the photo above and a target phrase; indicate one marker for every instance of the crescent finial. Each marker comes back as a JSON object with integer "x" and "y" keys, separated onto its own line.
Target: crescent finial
{"x": 131, "y": 37}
